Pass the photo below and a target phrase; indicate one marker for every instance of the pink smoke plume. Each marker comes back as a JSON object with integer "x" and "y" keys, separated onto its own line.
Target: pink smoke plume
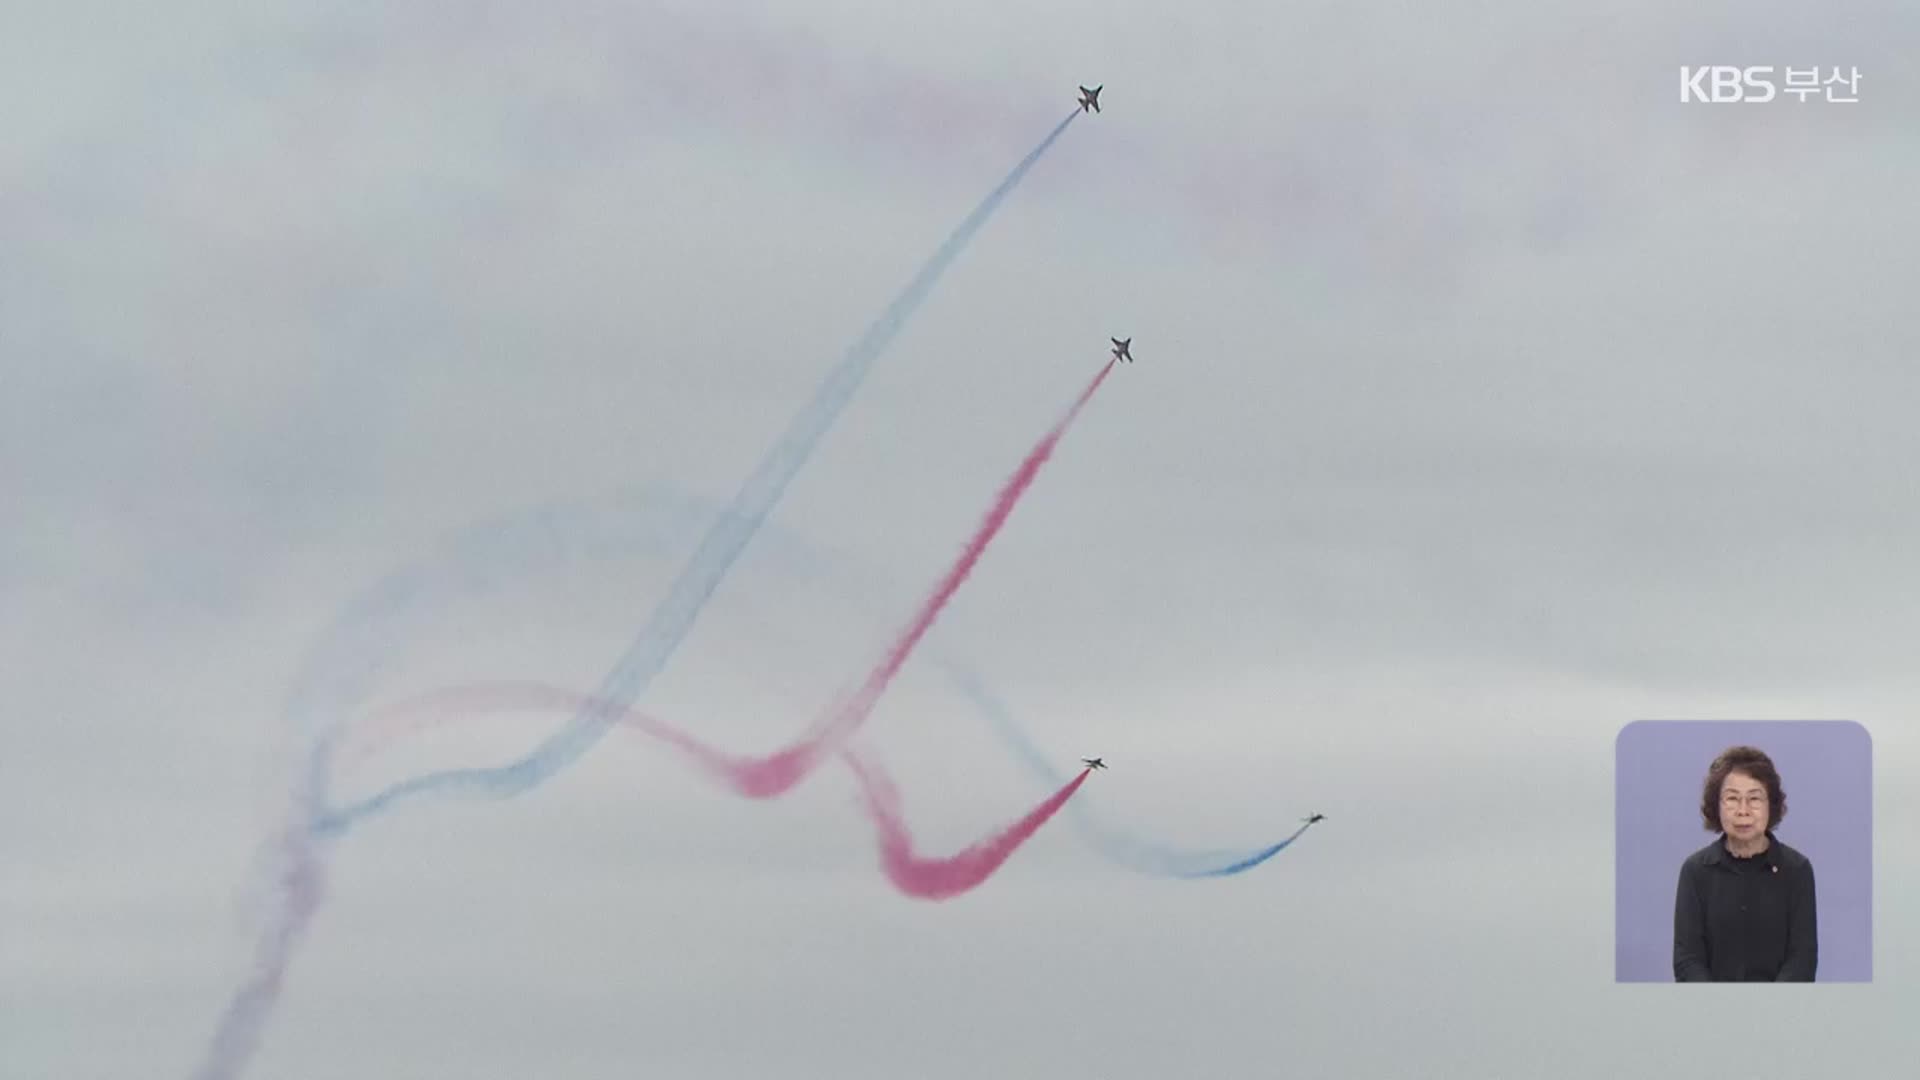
{"x": 301, "y": 884}
{"x": 919, "y": 876}
{"x": 941, "y": 879}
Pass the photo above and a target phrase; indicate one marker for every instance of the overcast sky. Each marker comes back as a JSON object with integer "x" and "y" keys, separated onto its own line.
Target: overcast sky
{"x": 1487, "y": 398}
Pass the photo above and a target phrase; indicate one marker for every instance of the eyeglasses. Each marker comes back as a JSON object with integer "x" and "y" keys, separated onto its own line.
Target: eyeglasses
{"x": 1732, "y": 798}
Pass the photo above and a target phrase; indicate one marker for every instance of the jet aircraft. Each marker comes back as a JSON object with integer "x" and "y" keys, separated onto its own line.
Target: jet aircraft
{"x": 1093, "y": 762}
{"x": 1314, "y": 818}
{"x": 1120, "y": 349}
{"x": 1090, "y": 98}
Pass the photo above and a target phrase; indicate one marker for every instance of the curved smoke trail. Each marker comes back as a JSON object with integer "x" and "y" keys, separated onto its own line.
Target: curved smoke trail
{"x": 941, "y": 879}
{"x": 772, "y": 775}
{"x": 374, "y": 632}
{"x": 675, "y": 615}
{"x": 238, "y": 1032}
{"x": 920, "y": 876}
{"x": 1115, "y": 843}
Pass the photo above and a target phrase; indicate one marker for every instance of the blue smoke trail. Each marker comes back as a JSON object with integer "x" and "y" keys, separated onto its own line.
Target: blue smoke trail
{"x": 373, "y": 633}
{"x": 729, "y": 534}
{"x": 1113, "y": 842}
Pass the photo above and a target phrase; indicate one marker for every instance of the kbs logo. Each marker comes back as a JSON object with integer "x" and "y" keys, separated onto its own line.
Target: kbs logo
{"x": 1727, "y": 83}
{"x": 1722, "y": 84}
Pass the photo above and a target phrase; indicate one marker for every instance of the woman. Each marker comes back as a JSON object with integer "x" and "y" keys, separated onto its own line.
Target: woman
{"x": 1745, "y": 910}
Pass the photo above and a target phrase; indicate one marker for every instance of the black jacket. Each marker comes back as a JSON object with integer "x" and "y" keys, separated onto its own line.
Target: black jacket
{"x": 1745, "y": 920}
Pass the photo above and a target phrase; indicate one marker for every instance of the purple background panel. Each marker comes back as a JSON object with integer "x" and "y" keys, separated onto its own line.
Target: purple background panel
{"x": 1826, "y": 769}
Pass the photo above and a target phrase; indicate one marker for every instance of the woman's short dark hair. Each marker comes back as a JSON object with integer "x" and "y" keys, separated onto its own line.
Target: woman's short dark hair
{"x": 1755, "y": 763}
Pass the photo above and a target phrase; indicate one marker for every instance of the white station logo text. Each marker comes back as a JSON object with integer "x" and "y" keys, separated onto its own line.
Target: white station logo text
{"x": 1720, "y": 84}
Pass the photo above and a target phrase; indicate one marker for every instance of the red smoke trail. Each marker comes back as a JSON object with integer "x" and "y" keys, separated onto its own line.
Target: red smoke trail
{"x": 942, "y": 879}
{"x": 835, "y": 730}
{"x": 747, "y": 776}
{"x": 919, "y": 876}
{"x": 773, "y": 775}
